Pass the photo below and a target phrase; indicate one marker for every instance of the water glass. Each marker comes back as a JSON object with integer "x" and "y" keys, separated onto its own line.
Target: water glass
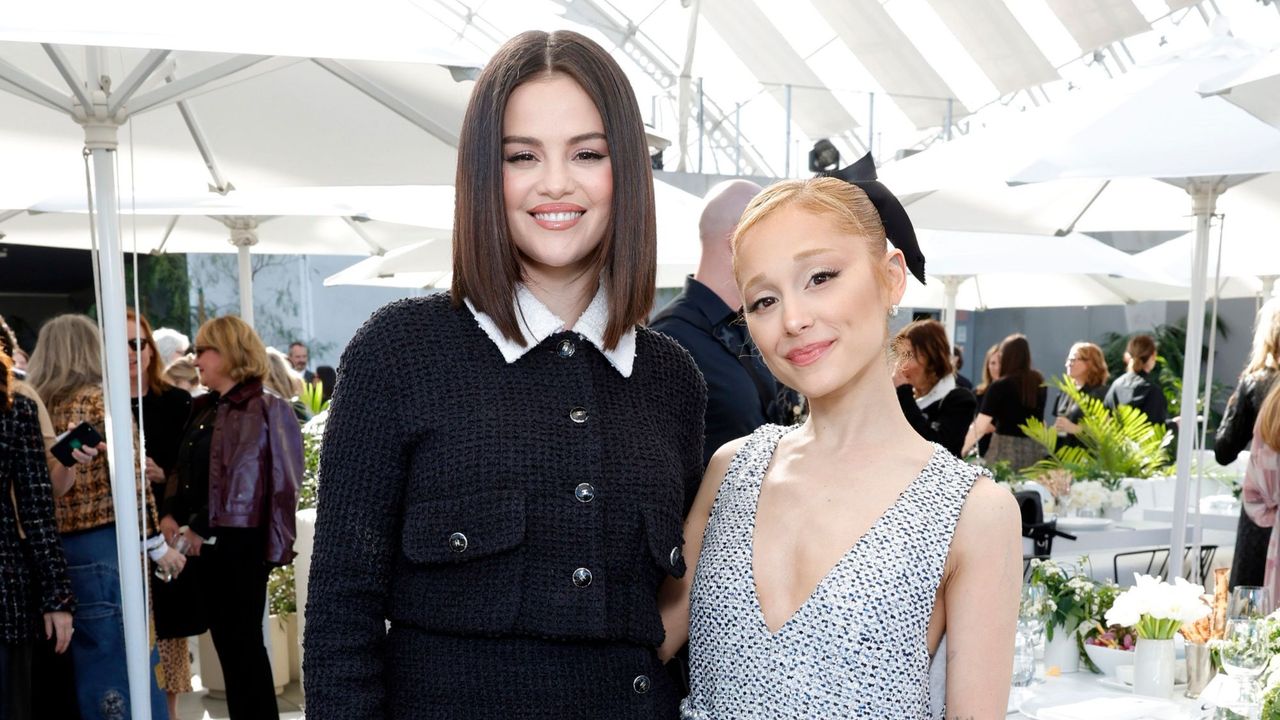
{"x": 1024, "y": 659}
{"x": 1031, "y": 612}
{"x": 1244, "y": 648}
{"x": 1249, "y": 601}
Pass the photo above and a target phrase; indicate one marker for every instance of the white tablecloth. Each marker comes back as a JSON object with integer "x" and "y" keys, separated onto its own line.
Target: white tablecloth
{"x": 1075, "y": 687}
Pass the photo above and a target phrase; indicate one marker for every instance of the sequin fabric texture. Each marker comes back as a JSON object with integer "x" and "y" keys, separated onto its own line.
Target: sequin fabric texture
{"x": 857, "y": 648}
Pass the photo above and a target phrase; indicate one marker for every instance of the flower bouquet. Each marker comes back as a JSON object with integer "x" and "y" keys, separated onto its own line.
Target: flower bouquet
{"x": 1072, "y": 605}
{"x": 1092, "y": 496}
{"x": 1156, "y": 610}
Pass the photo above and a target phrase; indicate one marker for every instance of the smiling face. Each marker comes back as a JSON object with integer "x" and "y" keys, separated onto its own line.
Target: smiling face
{"x": 816, "y": 299}
{"x": 557, "y": 180}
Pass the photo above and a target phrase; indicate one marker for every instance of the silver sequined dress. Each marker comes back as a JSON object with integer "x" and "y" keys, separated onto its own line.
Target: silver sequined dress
{"x": 857, "y": 648}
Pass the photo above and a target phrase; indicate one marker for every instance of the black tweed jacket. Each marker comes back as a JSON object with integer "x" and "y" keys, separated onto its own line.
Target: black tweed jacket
{"x": 513, "y": 522}
{"x": 35, "y": 581}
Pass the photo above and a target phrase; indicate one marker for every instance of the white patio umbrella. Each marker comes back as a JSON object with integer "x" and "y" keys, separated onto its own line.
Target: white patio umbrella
{"x": 428, "y": 264}
{"x": 978, "y": 271}
{"x": 1254, "y": 87}
{"x": 142, "y": 66}
{"x": 1247, "y": 269}
{"x": 1153, "y": 124}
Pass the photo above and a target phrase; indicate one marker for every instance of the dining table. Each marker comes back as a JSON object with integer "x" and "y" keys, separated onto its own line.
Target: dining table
{"x": 1056, "y": 691}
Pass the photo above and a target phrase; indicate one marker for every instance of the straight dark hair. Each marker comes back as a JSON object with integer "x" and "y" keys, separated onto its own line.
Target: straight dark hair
{"x": 1015, "y": 366}
{"x": 486, "y": 268}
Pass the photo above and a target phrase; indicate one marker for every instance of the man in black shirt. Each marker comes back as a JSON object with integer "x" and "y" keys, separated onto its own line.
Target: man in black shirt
{"x": 706, "y": 318}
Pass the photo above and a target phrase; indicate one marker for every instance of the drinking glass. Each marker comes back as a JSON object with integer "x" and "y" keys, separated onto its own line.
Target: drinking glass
{"x": 1024, "y": 659}
{"x": 1245, "y": 654}
{"x": 1031, "y": 613}
{"x": 1249, "y": 601}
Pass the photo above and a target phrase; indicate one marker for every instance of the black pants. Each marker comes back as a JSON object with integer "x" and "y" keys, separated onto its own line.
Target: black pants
{"x": 237, "y": 593}
{"x": 15, "y": 681}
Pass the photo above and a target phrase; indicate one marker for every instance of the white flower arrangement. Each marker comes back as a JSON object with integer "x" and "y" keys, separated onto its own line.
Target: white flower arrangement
{"x": 1094, "y": 495}
{"x": 1157, "y": 609}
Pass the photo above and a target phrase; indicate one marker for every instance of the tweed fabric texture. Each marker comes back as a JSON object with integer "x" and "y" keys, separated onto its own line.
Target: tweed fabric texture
{"x": 858, "y": 646}
{"x": 460, "y": 496}
{"x": 41, "y": 571}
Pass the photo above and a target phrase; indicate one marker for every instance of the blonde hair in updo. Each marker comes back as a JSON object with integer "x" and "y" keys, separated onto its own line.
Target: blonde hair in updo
{"x": 844, "y": 204}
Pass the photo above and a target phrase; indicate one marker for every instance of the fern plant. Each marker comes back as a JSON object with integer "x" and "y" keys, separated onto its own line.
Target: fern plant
{"x": 1116, "y": 445}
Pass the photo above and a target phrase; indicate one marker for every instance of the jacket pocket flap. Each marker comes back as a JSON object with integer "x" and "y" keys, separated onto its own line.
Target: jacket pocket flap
{"x": 665, "y": 534}
{"x": 460, "y": 529}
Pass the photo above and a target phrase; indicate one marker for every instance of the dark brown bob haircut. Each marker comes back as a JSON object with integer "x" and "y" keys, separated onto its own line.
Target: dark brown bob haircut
{"x": 929, "y": 345}
{"x": 1015, "y": 366}
{"x": 486, "y": 267}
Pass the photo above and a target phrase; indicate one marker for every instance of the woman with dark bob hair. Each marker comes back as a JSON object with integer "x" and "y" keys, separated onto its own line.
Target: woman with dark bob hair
{"x": 1009, "y": 402}
{"x": 494, "y": 526}
{"x": 935, "y": 405}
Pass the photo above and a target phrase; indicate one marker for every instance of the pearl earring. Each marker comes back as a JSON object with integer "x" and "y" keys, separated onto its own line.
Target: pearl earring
{"x": 893, "y": 311}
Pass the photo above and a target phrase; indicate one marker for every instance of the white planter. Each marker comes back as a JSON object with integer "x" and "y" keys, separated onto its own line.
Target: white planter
{"x": 294, "y": 646}
{"x": 1062, "y": 652}
{"x": 1153, "y": 668}
{"x": 1114, "y": 513}
{"x": 303, "y": 544}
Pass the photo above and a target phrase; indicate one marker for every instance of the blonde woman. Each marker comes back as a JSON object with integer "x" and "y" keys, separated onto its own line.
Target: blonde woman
{"x": 284, "y": 381}
{"x": 1087, "y": 368}
{"x": 235, "y": 492}
{"x": 1236, "y": 430}
{"x": 832, "y": 557}
{"x": 66, "y": 372}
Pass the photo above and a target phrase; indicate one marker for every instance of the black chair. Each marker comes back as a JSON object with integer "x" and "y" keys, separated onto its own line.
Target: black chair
{"x": 1155, "y": 561}
{"x": 1034, "y": 525}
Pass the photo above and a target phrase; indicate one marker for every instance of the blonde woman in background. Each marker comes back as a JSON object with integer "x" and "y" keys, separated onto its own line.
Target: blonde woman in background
{"x": 1087, "y": 369}
{"x": 182, "y": 373}
{"x": 284, "y": 381}
{"x": 1236, "y": 430}
{"x": 66, "y": 372}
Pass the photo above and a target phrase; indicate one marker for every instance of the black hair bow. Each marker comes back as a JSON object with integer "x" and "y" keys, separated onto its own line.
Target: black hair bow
{"x": 897, "y": 226}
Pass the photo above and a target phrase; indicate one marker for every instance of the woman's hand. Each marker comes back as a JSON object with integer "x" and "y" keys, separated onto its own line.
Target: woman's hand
{"x": 194, "y": 542}
{"x": 57, "y": 624}
{"x": 172, "y": 562}
{"x": 899, "y": 379}
{"x": 169, "y": 528}
{"x": 154, "y": 473}
{"x": 1065, "y": 426}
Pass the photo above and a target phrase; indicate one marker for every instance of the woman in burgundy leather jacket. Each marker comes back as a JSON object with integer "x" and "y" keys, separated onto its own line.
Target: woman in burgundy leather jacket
{"x": 235, "y": 492}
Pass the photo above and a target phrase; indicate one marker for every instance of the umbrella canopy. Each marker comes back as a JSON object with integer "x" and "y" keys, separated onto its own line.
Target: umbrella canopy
{"x": 1247, "y": 269}
{"x": 1255, "y": 87}
{"x": 247, "y": 126}
{"x": 978, "y": 271}
{"x": 310, "y": 220}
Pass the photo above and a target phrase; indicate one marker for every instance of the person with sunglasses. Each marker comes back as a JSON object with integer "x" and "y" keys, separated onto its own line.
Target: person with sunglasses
{"x": 162, "y": 410}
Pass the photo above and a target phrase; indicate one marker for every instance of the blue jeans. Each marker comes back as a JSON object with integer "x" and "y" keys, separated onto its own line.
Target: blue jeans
{"x": 97, "y": 645}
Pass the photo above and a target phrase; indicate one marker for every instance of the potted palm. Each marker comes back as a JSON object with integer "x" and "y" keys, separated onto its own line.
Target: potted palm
{"x": 1116, "y": 447}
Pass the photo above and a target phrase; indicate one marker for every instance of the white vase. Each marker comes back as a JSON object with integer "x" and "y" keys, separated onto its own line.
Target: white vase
{"x": 1062, "y": 652}
{"x": 1153, "y": 662}
{"x": 1114, "y": 513}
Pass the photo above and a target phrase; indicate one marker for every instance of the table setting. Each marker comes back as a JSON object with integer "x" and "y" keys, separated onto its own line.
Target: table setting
{"x": 1090, "y": 650}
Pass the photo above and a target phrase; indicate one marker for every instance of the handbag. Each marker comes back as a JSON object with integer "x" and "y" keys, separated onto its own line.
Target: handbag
{"x": 180, "y": 606}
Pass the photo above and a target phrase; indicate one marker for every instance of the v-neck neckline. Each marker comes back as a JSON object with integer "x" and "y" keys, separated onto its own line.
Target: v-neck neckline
{"x": 857, "y": 544}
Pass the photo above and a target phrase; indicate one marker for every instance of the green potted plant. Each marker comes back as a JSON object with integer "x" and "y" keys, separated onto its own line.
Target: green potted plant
{"x": 1117, "y": 445}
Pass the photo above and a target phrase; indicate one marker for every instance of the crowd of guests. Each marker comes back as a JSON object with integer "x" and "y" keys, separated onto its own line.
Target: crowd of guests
{"x": 219, "y": 464}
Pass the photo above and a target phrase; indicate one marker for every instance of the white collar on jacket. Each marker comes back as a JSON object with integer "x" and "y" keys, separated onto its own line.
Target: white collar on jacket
{"x": 937, "y": 392}
{"x": 537, "y": 322}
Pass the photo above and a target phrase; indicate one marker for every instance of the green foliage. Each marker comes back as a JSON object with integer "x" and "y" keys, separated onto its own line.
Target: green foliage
{"x": 312, "y": 435}
{"x": 1002, "y": 472}
{"x": 1068, "y": 593}
{"x": 1120, "y": 444}
{"x": 281, "y": 597}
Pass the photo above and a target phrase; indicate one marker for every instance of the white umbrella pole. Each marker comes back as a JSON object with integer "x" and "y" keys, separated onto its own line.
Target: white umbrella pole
{"x": 244, "y": 235}
{"x": 952, "y": 287}
{"x": 1204, "y": 197}
{"x": 119, "y": 425}
{"x": 1268, "y": 286}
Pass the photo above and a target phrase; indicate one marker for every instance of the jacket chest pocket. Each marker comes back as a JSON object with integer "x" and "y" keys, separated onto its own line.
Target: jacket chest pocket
{"x": 464, "y": 570}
